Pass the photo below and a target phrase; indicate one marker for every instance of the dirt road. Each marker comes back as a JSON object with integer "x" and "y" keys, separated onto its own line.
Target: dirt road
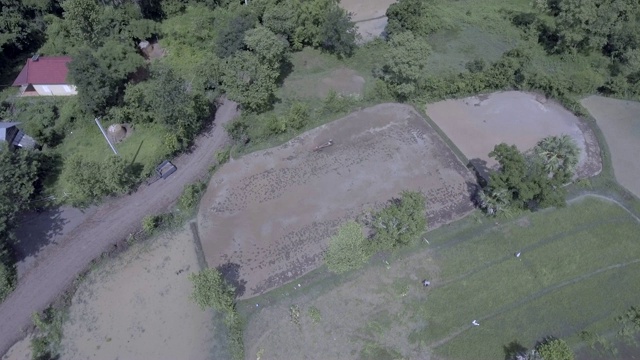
{"x": 108, "y": 224}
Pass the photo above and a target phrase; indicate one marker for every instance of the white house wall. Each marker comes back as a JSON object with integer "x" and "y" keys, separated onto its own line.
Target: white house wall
{"x": 55, "y": 90}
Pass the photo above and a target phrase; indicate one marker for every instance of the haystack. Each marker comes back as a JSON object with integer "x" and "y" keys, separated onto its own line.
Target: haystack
{"x": 117, "y": 132}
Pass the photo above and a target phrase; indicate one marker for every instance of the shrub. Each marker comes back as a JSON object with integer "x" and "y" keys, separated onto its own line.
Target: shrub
{"x": 46, "y": 343}
{"x": 347, "y": 249}
{"x": 191, "y": 196}
{"x": 223, "y": 156}
{"x": 210, "y": 290}
{"x": 238, "y": 130}
{"x": 150, "y": 223}
{"x": 555, "y": 349}
{"x": 276, "y": 125}
{"x": 6, "y": 280}
{"x": 314, "y": 314}
{"x": 298, "y": 116}
{"x": 400, "y": 223}
{"x": 88, "y": 181}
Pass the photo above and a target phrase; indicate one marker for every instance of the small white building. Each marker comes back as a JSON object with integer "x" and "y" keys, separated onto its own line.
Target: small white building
{"x": 45, "y": 76}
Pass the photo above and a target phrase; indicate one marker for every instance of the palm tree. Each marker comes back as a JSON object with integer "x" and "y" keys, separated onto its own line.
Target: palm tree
{"x": 558, "y": 153}
{"x": 494, "y": 201}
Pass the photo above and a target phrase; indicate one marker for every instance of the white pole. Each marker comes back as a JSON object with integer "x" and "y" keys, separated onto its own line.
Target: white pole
{"x": 105, "y": 136}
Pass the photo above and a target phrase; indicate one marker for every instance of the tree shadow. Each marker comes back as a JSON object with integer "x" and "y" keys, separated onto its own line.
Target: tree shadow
{"x": 137, "y": 152}
{"x": 472, "y": 192}
{"x": 231, "y": 274}
{"x": 481, "y": 171}
{"x": 513, "y": 349}
{"x": 37, "y": 230}
{"x": 286, "y": 68}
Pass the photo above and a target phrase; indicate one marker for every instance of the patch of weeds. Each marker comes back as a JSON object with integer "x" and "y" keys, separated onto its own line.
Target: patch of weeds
{"x": 314, "y": 314}
{"x": 294, "y": 314}
{"x": 584, "y": 184}
{"x": 190, "y": 197}
{"x": 223, "y": 156}
{"x": 598, "y": 343}
{"x": 630, "y": 325}
{"x": 401, "y": 289}
{"x": 45, "y": 344}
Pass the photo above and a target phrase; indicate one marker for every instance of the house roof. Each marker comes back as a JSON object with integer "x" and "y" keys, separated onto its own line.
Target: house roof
{"x": 47, "y": 70}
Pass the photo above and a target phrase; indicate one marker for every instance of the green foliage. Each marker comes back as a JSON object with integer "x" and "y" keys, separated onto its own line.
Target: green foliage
{"x": 296, "y": 119}
{"x": 191, "y": 196}
{"x": 97, "y": 89}
{"x": 210, "y": 290}
{"x": 46, "y": 342}
{"x": 560, "y": 155}
{"x": 7, "y": 277}
{"x": 555, "y": 349}
{"x": 82, "y": 21}
{"x": 314, "y": 314}
{"x": 335, "y": 103}
{"x": 532, "y": 181}
{"x": 417, "y": 16}
{"x": 347, "y": 249}
{"x": 281, "y": 19}
{"x": 19, "y": 172}
{"x": 231, "y": 34}
{"x": 629, "y": 325}
{"x": 338, "y": 33}
{"x": 249, "y": 82}
{"x": 269, "y": 47}
{"x": 223, "y": 156}
{"x": 88, "y": 181}
{"x": 400, "y": 223}
{"x": 41, "y": 123}
{"x": 150, "y": 223}
{"x": 405, "y": 64}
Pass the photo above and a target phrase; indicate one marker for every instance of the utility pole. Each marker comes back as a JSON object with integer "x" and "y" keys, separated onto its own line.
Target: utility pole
{"x": 106, "y": 137}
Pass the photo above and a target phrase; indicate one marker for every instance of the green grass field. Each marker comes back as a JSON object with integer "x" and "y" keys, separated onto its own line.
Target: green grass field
{"x": 144, "y": 147}
{"x": 572, "y": 260}
{"x": 578, "y": 270}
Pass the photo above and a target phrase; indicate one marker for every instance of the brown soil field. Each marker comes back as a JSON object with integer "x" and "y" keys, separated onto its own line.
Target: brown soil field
{"x": 476, "y": 124}
{"x": 137, "y": 306}
{"x": 268, "y": 215}
{"x": 369, "y": 16}
{"x": 619, "y": 121}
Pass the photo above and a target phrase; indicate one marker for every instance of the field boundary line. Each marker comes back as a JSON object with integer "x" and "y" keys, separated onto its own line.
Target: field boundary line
{"x": 606, "y": 198}
{"x": 195, "y": 235}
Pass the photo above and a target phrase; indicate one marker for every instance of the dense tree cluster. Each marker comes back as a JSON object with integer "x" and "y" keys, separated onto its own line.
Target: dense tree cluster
{"x": 530, "y": 181}
{"x": 20, "y": 183}
{"x": 398, "y": 224}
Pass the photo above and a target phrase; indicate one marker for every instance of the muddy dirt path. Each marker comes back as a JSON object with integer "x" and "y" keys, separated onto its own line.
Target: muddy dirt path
{"x": 110, "y": 223}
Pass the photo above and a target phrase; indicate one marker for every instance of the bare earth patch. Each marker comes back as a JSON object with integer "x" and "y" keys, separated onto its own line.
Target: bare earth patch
{"x": 343, "y": 81}
{"x": 619, "y": 121}
{"x": 476, "y": 124}
{"x": 272, "y": 212}
{"x": 137, "y": 306}
{"x": 20, "y": 350}
{"x": 369, "y": 16}
{"x": 371, "y": 309}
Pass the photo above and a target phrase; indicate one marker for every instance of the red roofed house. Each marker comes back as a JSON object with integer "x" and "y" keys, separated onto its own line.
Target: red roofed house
{"x": 45, "y": 76}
